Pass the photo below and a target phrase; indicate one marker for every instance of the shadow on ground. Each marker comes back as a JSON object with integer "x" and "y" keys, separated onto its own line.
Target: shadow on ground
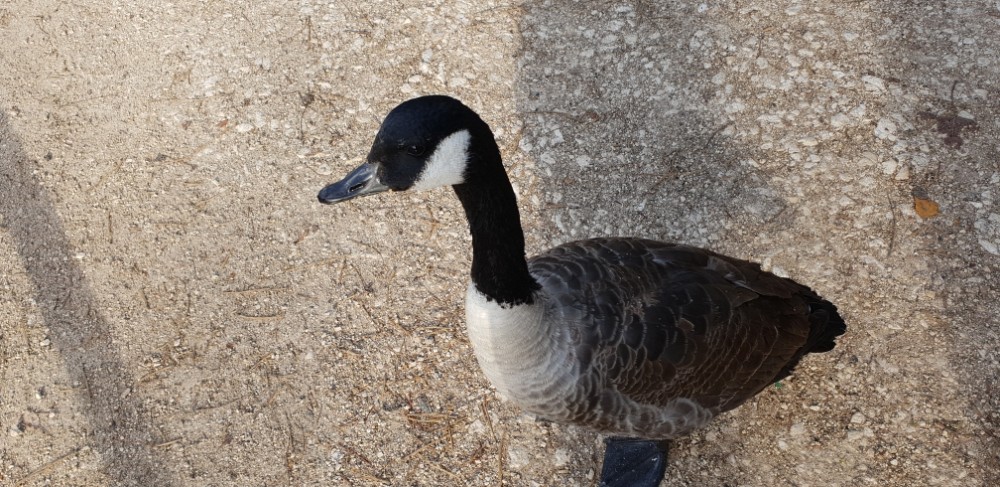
{"x": 946, "y": 84}
{"x": 628, "y": 142}
{"x": 119, "y": 426}
{"x": 797, "y": 137}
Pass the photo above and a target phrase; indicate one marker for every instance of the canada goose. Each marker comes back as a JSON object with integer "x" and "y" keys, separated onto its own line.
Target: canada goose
{"x": 631, "y": 337}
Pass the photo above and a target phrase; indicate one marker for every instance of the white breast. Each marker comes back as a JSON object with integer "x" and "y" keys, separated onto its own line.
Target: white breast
{"x": 519, "y": 352}
{"x": 528, "y": 358}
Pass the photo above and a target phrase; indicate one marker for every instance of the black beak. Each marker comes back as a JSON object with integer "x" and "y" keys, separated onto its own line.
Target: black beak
{"x": 360, "y": 182}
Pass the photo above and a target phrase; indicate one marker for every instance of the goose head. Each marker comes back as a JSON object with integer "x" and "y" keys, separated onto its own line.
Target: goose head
{"x": 423, "y": 143}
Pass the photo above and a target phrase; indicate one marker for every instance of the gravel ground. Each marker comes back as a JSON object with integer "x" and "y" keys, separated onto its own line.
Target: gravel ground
{"x": 176, "y": 309}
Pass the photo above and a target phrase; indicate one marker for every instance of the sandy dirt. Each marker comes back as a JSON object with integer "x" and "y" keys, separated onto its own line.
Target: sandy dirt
{"x": 176, "y": 309}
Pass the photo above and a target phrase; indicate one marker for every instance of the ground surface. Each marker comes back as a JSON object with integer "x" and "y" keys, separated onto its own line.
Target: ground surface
{"x": 176, "y": 309}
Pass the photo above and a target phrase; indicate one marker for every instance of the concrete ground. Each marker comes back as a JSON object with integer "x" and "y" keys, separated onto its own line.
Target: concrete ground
{"x": 177, "y": 310}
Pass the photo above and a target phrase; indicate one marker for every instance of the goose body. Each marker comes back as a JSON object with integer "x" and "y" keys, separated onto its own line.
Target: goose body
{"x": 643, "y": 338}
{"x": 628, "y": 336}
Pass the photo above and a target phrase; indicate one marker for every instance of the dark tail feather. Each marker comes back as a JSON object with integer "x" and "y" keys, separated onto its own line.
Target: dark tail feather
{"x": 825, "y": 326}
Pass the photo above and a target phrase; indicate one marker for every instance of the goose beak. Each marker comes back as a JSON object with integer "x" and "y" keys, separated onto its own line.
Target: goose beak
{"x": 360, "y": 182}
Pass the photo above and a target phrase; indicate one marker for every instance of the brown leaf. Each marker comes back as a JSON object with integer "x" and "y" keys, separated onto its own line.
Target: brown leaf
{"x": 925, "y": 208}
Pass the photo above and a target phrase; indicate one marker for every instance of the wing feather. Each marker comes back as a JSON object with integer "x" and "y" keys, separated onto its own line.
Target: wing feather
{"x": 659, "y": 321}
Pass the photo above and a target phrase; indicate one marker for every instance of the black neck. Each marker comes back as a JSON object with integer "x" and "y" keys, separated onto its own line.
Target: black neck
{"x": 499, "y": 269}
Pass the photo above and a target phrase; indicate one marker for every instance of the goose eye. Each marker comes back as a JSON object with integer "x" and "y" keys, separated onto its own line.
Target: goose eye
{"x": 415, "y": 150}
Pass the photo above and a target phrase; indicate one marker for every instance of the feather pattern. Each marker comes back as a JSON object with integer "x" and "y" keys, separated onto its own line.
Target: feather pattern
{"x": 645, "y": 338}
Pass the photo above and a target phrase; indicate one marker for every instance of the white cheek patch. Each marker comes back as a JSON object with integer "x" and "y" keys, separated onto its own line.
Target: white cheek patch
{"x": 446, "y": 166}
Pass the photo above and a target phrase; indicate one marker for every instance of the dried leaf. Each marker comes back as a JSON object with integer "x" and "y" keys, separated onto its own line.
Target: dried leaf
{"x": 925, "y": 208}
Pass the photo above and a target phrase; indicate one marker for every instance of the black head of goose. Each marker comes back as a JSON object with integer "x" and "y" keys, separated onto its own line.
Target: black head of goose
{"x": 632, "y": 337}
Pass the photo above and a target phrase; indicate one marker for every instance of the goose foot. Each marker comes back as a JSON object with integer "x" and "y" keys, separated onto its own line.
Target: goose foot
{"x": 632, "y": 462}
